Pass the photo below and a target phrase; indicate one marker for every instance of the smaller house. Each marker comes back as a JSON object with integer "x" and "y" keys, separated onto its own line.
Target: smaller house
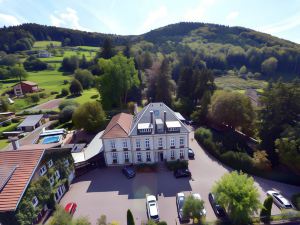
{"x": 30, "y": 123}
{"x": 44, "y": 54}
{"x": 25, "y": 87}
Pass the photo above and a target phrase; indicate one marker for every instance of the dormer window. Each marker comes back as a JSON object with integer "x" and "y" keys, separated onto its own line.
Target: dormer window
{"x": 43, "y": 170}
{"x": 50, "y": 163}
{"x": 35, "y": 201}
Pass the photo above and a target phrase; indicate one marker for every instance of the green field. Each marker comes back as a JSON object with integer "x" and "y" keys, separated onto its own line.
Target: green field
{"x": 3, "y": 143}
{"x": 87, "y": 96}
{"x": 235, "y": 83}
{"x": 43, "y": 44}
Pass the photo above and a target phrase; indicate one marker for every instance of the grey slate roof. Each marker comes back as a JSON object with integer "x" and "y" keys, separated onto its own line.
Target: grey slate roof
{"x": 158, "y": 109}
{"x": 31, "y": 120}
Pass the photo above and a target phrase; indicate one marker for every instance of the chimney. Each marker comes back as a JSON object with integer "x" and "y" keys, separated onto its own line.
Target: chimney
{"x": 15, "y": 143}
{"x": 165, "y": 120}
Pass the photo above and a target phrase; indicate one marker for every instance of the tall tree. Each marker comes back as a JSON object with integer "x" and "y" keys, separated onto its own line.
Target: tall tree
{"x": 237, "y": 193}
{"x": 90, "y": 116}
{"x": 163, "y": 84}
{"x": 75, "y": 87}
{"x": 18, "y": 72}
{"x": 107, "y": 49}
{"x": 192, "y": 208}
{"x": 119, "y": 76}
{"x": 281, "y": 109}
{"x": 233, "y": 109}
{"x": 130, "y": 220}
{"x": 85, "y": 78}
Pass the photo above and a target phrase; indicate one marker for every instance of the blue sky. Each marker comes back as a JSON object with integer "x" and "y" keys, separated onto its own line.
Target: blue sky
{"x": 277, "y": 17}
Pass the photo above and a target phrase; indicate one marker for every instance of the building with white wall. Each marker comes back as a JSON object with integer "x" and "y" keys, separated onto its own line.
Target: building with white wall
{"x": 155, "y": 134}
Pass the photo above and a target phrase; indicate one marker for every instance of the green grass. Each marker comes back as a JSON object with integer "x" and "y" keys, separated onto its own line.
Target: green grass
{"x": 10, "y": 127}
{"x": 87, "y": 96}
{"x": 88, "y": 48}
{"x": 235, "y": 83}
{"x": 3, "y": 143}
{"x": 43, "y": 44}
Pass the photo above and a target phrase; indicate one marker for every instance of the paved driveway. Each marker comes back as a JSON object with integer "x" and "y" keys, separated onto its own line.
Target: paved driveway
{"x": 107, "y": 191}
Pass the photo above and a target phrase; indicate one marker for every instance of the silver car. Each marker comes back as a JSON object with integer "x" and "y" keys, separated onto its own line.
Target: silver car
{"x": 279, "y": 200}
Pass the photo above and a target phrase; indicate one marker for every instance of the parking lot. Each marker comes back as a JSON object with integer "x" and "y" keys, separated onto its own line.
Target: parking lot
{"x": 107, "y": 191}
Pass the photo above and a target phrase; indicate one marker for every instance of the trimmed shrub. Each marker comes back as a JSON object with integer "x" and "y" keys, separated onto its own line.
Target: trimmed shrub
{"x": 53, "y": 92}
{"x": 64, "y": 92}
{"x": 238, "y": 160}
{"x": 43, "y": 95}
{"x": 66, "y": 113}
{"x": 34, "y": 98}
{"x": 130, "y": 220}
{"x": 296, "y": 200}
{"x": 205, "y": 138}
{"x": 162, "y": 223}
{"x": 6, "y": 123}
{"x": 265, "y": 213}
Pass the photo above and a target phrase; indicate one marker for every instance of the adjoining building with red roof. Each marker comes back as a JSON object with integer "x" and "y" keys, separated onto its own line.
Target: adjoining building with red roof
{"x": 32, "y": 181}
{"x": 153, "y": 135}
{"x": 25, "y": 87}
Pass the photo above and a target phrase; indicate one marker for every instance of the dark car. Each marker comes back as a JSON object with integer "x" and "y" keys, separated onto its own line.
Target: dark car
{"x": 182, "y": 173}
{"x": 219, "y": 210}
{"x": 191, "y": 154}
{"x": 180, "y": 199}
{"x": 129, "y": 172}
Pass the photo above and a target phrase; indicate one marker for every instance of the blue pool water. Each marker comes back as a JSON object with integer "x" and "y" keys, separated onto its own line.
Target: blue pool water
{"x": 52, "y": 139}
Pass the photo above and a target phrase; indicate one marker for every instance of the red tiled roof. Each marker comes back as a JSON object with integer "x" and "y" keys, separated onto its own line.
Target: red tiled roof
{"x": 119, "y": 126}
{"x": 30, "y": 83}
{"x": 25, "y": 162}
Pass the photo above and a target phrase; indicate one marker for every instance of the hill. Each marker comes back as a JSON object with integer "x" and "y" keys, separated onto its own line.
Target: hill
{"x": 218, "y": 47}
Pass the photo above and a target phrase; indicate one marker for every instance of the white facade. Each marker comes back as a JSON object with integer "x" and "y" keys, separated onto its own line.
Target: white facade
{"x": 152, "y": 145}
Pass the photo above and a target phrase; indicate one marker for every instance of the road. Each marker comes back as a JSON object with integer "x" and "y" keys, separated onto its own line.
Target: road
{"x": 52, "y": 104}
{"x": 107, "y": 191}
{"x": 30, "y": 138}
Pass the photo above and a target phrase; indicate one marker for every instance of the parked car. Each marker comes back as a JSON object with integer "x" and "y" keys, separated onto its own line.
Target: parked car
{"x": 152, "y": 208}
{"x": 219, "y": 210}
{"x": 191, "y": 154}
{"x": 129, "y": 172}
{"x": 198, "y": 196}
{"x": 180, "y": 199}
{"x": 279, "y": 200}
{"x": 182, "y": 173}
{"x": 71, "y": 208}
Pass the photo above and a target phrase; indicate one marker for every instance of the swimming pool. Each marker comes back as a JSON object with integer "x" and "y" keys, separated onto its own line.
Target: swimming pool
{"x": 51, "y": 139}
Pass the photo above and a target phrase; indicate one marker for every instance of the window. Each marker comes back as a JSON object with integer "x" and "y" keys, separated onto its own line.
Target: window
{"x": 160, "y": 144}
{"x": 181, "y": 154}
{"x": 66, "y": 162}
{"x": 172, "y": 154}
{"x": 126, "y": 157}
{"x": 124, "y": 143}
{"x": 138, "y": 143}
{"x": 148, "y": 156}
{"x": 113, "y": 144}
{"x": 59, "y": 192}
{"x": 50, "y": 163}
{"x": 43, "y": 170}
{"x": 139, "y": 157}
{"x": 35, "y": 201}
{"x": 181, "y": 141}
{"x": 172, "y": 142}
{"x": 147, "y": 143}
{"x": 115, "y": 157}
{"x": 57, "y": 175}
{"x": 51, "y": 180}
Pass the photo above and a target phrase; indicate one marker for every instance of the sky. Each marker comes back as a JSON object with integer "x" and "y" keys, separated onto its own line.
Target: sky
{"x": 280, "y": 18}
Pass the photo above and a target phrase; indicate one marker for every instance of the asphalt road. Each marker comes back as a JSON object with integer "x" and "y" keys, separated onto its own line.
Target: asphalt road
{"x": 107, "y": 191}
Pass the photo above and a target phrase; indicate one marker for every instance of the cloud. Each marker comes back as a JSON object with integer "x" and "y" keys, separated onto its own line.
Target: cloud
{"x": 197, "y": 14}
{"x": 284, "y": 25}
{"x": 155, "y": 18}
{"x": 232, "y": 15}
{"x": 67, "y": 18}
{"x": 8, "y": 20}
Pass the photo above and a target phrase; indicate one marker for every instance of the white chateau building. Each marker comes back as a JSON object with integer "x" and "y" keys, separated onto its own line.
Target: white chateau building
{"x": 153, "y": 135}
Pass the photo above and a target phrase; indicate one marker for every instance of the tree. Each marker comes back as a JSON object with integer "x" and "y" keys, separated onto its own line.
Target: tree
{"x": 9, "y": 60}
{"x": 269, "y": 66}
{"x": 126, "y": 51}
{"x": 89, "y": 116}
{"x": 18, "y": 72}
{"x": 233, "y": 109}
{"x": 60, "y": 217}
{"x": 3, "y": 105}
{"x": 288, "y": 146}
{"x": 82, "y": 221}
{"x": 64, "y": 92}
{"x": 102, "y": 220}
{"x": 237, "y": 193}
{"x": 107, "y": 49}
{"x": 65, "y": 103}
{"x": 34, "y": 64}
{"x": 192, "y": 208}
{"x": 85, "y": 78}
{"x": 147, "y": 60}
{"x": 66, "y": 113}
{"x": 75, "y": 87}
{"x": 118, "y": 78}
{"x": 163, "y": 84}
{"x": 70, "y": 64}
{"x": 130, "y": 220}
{"x": 281, "y": 109}
{"x": 265, "y": 213}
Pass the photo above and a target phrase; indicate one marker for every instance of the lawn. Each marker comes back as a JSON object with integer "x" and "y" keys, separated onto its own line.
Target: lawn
{"x": 87, "y": 95}
{"x": 3, "y": 143}
{"x": 88, "y": 48}
{"x": 235, "y": 83}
